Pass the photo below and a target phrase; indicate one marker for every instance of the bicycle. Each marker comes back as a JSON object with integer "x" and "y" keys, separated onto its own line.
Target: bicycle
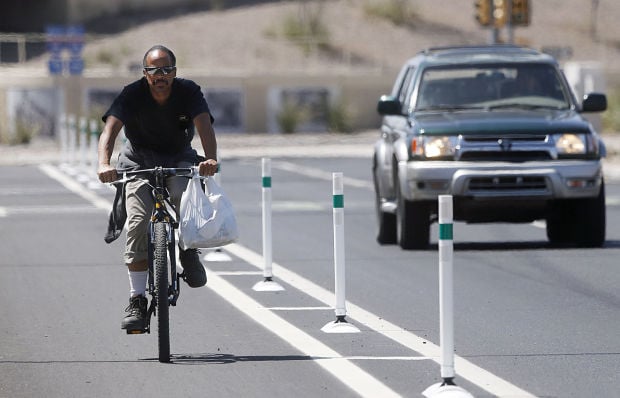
{"x": 163, "y": 278}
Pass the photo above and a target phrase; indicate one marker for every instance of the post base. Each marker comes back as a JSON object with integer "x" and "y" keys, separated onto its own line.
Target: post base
{"x": 217, "y": 255}
{"x": 340, "y": 325}
{"x": 267, "y": 285}
{"x": 444, "y": 390}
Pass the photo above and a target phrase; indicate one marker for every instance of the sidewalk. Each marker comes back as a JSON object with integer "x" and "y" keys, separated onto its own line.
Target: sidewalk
{"x": 230, "y": 145}
{"x": 242, "y": 145}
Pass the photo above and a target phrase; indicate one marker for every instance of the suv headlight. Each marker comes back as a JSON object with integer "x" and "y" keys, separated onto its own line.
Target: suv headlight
{"x": 434, "y": 147}
{"x": 570, "y": 144}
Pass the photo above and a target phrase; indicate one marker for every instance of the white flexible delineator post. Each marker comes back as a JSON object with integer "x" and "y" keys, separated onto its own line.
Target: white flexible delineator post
{"x": 93, "y": 156}
{"x": 267, "y": 284}
{"x": 340, "y": 325}
{"x": 83, "y": 175}
{"x": 446, "y": 287}
{"x": 447, "y": 388}
{"x": 63, "y": 138}
{"x": 71, "y": 128}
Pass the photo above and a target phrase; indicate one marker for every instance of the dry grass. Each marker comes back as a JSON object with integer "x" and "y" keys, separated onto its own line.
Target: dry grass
{"x": 238, "y": 40}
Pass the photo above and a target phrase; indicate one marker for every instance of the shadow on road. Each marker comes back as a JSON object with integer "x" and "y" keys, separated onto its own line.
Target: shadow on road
{"x": 219, "y": 358}
{"x": 529, "y": 245}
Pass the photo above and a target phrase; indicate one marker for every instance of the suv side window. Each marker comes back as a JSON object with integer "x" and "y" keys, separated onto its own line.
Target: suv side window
{"x": 403, "y": 93}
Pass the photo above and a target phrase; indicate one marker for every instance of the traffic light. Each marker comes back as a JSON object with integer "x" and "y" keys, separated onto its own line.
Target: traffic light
{"x": 500, "y": 13}
{"x": 520, "y": 14}
{"x": 484, "y": 14}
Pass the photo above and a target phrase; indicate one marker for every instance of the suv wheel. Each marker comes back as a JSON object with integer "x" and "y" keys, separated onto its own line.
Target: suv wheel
{"x": 413, "y": 222}
{"x": 386, "y": 222}
{"x": 591, "y": 216}
{"x": 580, "y": 222}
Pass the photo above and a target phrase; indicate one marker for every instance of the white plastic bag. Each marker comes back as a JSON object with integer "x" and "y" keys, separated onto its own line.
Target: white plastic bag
{"x": 207, "y": 218}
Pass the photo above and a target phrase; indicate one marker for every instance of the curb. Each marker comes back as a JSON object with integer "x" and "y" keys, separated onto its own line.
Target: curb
{"x": 241, "y": 145}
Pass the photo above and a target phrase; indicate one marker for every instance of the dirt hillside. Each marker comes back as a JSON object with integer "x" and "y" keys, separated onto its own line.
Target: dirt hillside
{"x": 250, "y": 40}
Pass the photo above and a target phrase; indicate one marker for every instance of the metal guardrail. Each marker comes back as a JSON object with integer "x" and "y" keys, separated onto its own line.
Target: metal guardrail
{"x": 20, "y": 40}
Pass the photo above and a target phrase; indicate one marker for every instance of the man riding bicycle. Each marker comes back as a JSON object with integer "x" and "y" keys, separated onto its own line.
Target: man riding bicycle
{"x": 159, "y": 113}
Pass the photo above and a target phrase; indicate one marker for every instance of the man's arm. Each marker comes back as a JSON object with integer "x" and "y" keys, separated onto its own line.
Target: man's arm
{"x": 112, "y": 127}
{"x": 209, "y": 144}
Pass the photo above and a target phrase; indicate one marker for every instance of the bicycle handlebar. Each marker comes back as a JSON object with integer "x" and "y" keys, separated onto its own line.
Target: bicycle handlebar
{"x": 166, "y": 172}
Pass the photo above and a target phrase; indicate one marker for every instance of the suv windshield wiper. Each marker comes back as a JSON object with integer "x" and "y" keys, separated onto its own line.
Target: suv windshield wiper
{"x": 450, "y": 107}
{"x": 524, "y": 106}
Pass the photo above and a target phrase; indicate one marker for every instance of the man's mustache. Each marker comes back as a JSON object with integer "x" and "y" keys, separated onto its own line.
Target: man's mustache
{"x": 161, "y": 81}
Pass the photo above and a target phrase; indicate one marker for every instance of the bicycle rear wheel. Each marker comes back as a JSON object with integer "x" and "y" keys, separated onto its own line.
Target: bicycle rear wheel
{"x": 160, "y": 260}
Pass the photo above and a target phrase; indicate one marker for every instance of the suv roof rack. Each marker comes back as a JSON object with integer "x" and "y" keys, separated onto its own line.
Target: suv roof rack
{"x": 480, "y": 49}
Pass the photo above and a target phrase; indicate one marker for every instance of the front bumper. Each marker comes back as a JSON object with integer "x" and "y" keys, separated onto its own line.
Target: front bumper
{"x": 545, "y": 180}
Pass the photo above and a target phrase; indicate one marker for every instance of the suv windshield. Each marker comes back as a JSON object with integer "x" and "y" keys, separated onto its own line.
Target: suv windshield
{"x": 491, "y": 86}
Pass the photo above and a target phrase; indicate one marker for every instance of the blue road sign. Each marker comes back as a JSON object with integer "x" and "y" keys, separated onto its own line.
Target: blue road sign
{"x": 76, "y": 65}
{"x": 55, "y": 35}
{"x": 55, "y": 65}
{"x": 75, "y": 39}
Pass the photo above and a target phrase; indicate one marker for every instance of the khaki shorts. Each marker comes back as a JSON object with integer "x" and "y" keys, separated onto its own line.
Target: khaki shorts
{"x": 139, "y": 205}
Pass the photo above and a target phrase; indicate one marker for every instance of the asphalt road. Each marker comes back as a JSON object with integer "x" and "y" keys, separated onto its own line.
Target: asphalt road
{"x": 530, "y": 320}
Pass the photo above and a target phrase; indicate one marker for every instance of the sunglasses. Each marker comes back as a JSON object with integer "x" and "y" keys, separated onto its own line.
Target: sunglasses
{"x": 165, "y": 70}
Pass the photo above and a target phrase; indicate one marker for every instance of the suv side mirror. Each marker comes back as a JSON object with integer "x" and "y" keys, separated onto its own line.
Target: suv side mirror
{"x": 388, "y": 105}
{"x": 594, "y": 102}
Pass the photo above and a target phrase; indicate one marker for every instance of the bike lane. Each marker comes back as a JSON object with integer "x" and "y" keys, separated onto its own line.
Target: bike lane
{"x": 63, "y": 291}
{"x": 349, "y": 358}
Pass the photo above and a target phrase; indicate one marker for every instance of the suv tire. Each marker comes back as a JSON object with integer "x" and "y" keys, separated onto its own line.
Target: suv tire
{"x": 413, "y": 223}
{"x": 386, "y": 222}
{"x": 580, "y": 222}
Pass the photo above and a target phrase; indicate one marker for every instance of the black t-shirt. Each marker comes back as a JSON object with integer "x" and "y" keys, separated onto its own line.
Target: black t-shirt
{"x": 164, "y": 131}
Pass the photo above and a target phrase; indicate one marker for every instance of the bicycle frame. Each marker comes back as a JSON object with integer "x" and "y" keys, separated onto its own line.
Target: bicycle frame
{"x": 161, "y": 214}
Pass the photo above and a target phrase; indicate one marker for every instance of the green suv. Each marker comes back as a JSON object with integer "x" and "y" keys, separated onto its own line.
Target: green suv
{"x": 499, "y": 129}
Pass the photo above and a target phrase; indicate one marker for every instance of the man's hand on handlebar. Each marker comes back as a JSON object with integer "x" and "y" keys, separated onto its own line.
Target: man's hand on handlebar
{"x": 208, "y": 167}
{"x": 107, "y": 173}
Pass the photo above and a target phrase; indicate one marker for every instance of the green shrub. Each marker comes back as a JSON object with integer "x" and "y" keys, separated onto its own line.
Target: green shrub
{"x": 306, "y": 33}
{"x": 290, "y": 116}
{"x": 25, "y": 131}
{"x": 398, "y": 12}
{"x": 339, "y": 118}
{"x": 611, "y": 117}
{"x": 304, "y": 28}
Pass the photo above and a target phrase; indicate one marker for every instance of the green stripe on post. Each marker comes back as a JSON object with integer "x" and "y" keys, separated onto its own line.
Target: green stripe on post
{"x": 338, "y": 201}
{"x": 266, "y": 182}
{"x": 445, "y": 231}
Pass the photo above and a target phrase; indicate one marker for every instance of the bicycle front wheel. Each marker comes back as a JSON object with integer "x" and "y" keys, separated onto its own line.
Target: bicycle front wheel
{"x": 160, "y": 260}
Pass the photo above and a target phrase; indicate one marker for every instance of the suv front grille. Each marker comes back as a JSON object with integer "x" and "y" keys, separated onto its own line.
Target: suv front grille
{"x": 507, "y": 147}
{"x": 507, "y": 156}
{"x": 511, "y": 137}
{"x": 507, "y": 183}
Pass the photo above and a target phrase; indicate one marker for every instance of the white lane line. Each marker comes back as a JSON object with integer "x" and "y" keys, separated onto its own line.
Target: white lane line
{"x": 298, "y": 308}
{"x": 290, "y": 205}
{"x": 51, "y": 209}
{"x": 238, "y": 273}
{"x": 473, "y": 373}
{"x": 364, "y": 358}
{"x": 19, "y": 191}
{"x": 343, "y": 369}
{"x": 75, "y": 187}
{"x": 612, "y": 200}
{"x": 318, "y": 173}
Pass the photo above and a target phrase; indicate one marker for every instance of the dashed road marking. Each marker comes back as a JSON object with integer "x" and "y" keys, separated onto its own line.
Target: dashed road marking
{"x": 466, "y": 369}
